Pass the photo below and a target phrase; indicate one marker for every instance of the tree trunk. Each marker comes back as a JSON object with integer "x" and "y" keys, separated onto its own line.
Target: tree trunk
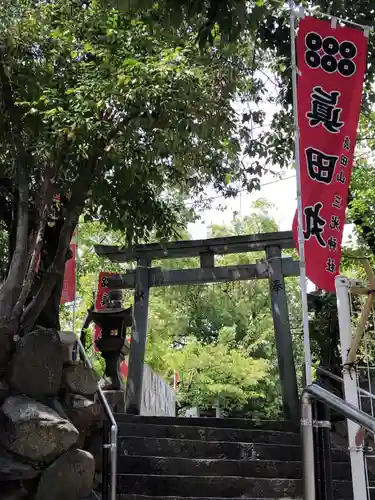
{"x": 55, "y": 270}
{"x": 11, "y": 289}
{"x": 49, "y": 316}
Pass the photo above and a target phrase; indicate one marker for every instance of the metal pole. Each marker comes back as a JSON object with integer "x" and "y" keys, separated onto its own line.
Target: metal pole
{"x": 114, "y": 433}
{"x": 323, "y": 426}
{"x": 109, "y": 440}
{"x": 327, "y": 373}
{"x": 105, "y": 459}
{"x": 350, "y": 388}
{"x": 314, "y": 405}
{"x": 301, "y": 240}
{"x": 307, "y": 448}
{"x": 340, "y": 406}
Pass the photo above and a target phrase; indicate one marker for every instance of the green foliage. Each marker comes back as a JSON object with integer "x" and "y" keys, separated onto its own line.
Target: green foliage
{"x": 216, "y": 372}
{"x": 124, "y": 94}
{"x": 267, "y": 24}
{"x": 206, "y": 331}
{"x": 218, "y": 338}
{"x": 362, "y": 194}
{"x": 230, "y": 17}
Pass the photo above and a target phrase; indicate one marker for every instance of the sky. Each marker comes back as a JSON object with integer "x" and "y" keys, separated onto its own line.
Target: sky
{"x": 281, "y": 193}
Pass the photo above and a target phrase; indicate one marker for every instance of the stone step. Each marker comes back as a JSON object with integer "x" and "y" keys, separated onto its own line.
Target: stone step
{"x": 209, "y": 433}
{"x": 226, "y": 487}
{"x": 212, "y": 467}
{"x": 232, "y": 423}
{"x": 164, "y": 447}
{"x": 145, "y": 497}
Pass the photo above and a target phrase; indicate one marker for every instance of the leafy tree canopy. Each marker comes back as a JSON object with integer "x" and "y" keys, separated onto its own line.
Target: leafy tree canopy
{"x": 117, "y": 112}
{"x": 115, "y": 107}
{"x": 124, "y": 98}
{"x": 267, "y": 24}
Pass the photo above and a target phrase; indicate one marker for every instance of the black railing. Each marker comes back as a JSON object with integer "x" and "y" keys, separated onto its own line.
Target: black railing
{"x": 322, "y": 451}
{"x": 317, "y": 461}
{"x": 110, "y": 432}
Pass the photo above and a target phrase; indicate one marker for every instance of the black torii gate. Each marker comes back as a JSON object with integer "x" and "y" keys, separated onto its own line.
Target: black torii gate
{"x": 274, "y": 268}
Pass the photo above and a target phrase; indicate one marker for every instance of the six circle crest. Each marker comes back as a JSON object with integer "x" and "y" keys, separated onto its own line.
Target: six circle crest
{"x": 330, "y": 55}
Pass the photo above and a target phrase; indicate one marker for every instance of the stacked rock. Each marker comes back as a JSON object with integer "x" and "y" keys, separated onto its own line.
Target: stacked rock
{"x": 49, "y": 416}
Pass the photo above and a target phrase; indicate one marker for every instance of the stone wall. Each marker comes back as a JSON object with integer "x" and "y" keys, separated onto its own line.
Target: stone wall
{"x": 158, "y": 398}
{"x": 48, "y": 415}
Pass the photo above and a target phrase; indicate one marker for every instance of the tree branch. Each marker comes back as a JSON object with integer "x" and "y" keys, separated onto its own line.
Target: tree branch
{"x": 74, "y": 208}
{"x": 11, "y": 289}
{"x": 37, "y": 241}
{"x": 366, "y": 231}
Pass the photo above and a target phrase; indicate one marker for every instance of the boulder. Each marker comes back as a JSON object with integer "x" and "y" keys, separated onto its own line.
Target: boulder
{"x": 68, "y": 341}
{"x": 34, "y": 431}
{"x": 4, "y": 390}
{"x": 6, "y": 341}
{"x": 12, "y": 470}
{"x": 55, "y": 405}
{"x": 84, "y": 412}
{"x": 80, "y": 379}
{"x": 116, "y": 400}
{"x": 70, "y": 477}
{"x": 37, "y": 365}
{"x": 94, "y": 445}
{"x": 14, "y": 490}
{"x": 82, "y": 438}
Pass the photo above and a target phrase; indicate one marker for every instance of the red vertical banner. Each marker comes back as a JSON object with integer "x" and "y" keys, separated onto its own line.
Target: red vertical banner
{"x": 331, "y": 63}
{"x": 101, "y": 303}
{"x": 69, "y": 286}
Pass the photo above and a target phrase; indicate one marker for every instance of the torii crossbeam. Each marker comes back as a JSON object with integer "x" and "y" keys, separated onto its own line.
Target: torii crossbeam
{"x": 274, "y": 268}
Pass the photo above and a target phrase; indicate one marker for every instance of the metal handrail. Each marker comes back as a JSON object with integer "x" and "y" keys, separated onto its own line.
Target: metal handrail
{"x": 348, "y": 410}
{"x": 316, "y": 392}
{"x": 331, "y": 375}
{"x": 114, "y": 428}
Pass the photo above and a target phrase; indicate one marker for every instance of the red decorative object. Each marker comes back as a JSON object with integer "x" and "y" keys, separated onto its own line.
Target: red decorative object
{"x": 69, "y": 287}
{"x": 100, "y": 303}
{"x": 331, "y": 67}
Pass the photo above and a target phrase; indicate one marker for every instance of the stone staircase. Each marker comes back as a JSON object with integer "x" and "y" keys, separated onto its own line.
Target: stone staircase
{"x": 206, "y": 458}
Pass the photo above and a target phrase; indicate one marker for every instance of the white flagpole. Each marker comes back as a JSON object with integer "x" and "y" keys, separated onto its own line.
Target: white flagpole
{"x": 301, "y": 240}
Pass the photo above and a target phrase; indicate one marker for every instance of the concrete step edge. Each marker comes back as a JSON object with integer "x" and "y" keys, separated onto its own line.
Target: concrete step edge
{"x": 212, "y": 460}
{"x": 129, "y": 496}
{"x": 219, "y": 422}
{"x": 208, "y": 442}
{"x": 208, "y": 427}
{"x": 189, "y": 478}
